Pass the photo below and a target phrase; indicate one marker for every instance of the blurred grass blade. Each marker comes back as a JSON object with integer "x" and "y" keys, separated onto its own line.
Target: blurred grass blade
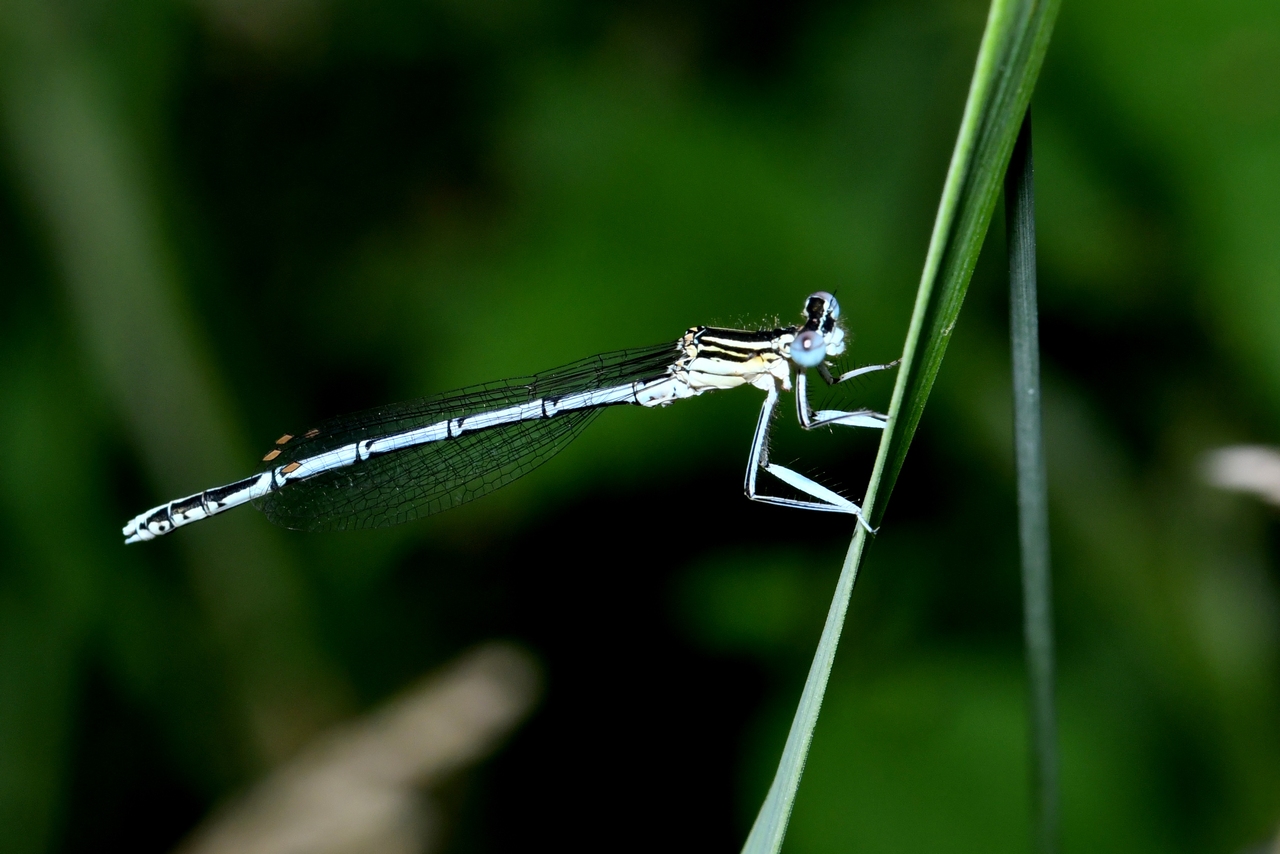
{"x": 75, "y": 155}
{"x": 1009, "y": 59}
{"x": 1033, "y": 491}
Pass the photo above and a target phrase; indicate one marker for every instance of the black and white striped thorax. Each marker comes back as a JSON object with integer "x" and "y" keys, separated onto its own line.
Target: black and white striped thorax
{"x": 413, "y": 459}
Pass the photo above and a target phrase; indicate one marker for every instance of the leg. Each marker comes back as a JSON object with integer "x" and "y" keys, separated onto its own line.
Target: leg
{"x": 759, "y": 459}
{"x": 827, "y": 417}
{"x": 856, "y": 372}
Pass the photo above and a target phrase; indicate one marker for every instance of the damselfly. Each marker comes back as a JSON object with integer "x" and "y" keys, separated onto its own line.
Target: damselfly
{"x": 413, "y": 459}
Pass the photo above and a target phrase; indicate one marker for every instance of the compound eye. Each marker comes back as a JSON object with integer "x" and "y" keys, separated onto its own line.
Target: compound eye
{"x": 808, "y": 349}
{"x": 820, "y": 306}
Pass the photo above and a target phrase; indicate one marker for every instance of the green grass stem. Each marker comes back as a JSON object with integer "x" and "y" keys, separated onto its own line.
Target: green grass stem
{"x": 1033, "y": 491}
{"x": 1009, "y": 59}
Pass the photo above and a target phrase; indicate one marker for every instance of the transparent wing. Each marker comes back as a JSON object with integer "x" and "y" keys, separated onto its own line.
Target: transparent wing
{"x": 420, "y": 481}
{"x": 427, "y": 479}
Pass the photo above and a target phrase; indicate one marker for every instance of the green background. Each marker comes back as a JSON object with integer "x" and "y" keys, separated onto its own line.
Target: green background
{"x": 221, "y": 220}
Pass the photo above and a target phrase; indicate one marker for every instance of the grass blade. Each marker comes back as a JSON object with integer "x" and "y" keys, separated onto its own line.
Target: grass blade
{"x": 1033, "y": 491}
{"x": 1009, "y": 59}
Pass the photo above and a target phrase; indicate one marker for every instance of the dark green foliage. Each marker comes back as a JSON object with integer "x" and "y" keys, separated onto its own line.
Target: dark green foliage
{"x": 220, "y": 221}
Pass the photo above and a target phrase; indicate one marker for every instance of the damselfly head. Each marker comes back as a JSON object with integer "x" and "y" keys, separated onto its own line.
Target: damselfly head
{"x": 822, "y": 335}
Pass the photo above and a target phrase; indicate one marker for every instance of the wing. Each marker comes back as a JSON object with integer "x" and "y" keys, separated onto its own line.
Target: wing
{"x": 425, "y": 479}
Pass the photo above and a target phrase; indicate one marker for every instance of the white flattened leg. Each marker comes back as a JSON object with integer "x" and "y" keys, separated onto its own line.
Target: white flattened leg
{"x": 758, "y": 443}
{"x": 856, "y": 372}
{"x": 830, "y": 417}
{"x": 857, "y": 418}
{"x": 827, "y": 500}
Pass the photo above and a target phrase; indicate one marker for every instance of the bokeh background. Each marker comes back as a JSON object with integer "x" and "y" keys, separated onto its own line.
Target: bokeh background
{"x": 222, "y": 219}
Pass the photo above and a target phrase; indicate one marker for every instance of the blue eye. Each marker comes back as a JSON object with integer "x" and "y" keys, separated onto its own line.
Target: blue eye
{"x": 808, "y": 349}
